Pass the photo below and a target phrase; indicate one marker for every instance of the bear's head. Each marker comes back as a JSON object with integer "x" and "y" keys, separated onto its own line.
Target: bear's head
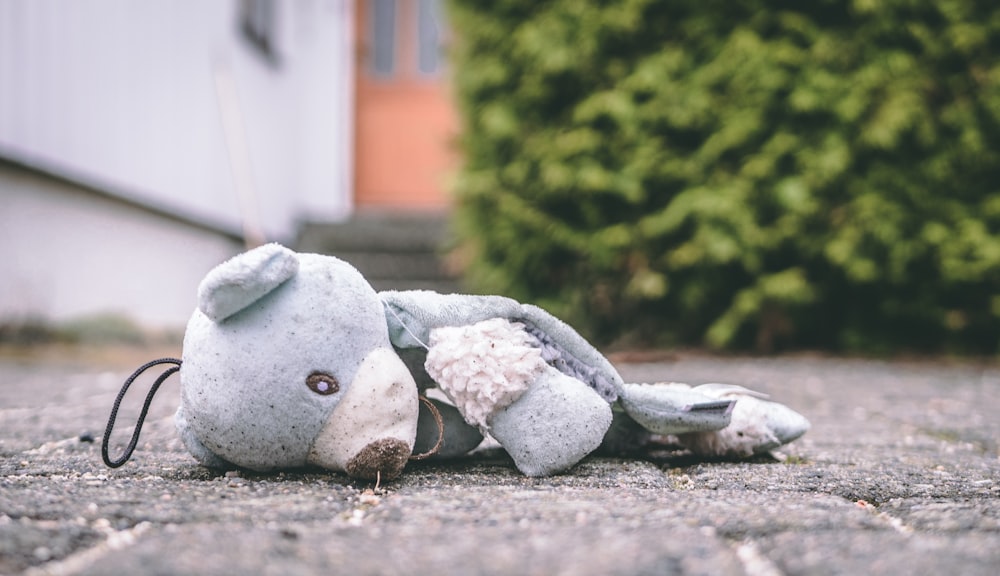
{"x": 287, "y": 362}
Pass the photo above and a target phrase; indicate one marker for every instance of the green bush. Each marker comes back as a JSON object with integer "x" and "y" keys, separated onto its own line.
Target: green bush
{"x": 742, "y": 174}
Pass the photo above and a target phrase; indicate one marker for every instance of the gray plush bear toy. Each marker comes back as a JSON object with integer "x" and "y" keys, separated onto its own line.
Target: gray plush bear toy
{"x": 293, "y": 360}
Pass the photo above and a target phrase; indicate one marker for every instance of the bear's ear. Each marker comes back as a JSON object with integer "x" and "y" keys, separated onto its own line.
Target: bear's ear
{"x": 244, "y": 279}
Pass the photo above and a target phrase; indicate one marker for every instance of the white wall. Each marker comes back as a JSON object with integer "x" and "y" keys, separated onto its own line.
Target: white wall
{"x": 122, "y": 94}
{"x": 67, "y": 253}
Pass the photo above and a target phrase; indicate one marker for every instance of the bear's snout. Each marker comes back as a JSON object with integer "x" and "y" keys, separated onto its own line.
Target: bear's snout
{"x": 371, "y": 431}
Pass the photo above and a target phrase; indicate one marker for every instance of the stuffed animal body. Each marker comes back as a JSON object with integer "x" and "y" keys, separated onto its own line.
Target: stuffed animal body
{"x": 294, "y": 360}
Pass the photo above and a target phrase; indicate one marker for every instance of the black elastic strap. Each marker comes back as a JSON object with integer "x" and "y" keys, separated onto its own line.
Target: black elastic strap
{"x": 142, "y": 415}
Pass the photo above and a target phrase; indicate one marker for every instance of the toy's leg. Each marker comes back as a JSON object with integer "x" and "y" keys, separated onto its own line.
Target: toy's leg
{"x": 553, "y": 425}
{"x": 709, "y": 420}
{"x": 674, "y": 408}
{"x": 645, "y": 411}
{"x": 757, "y": 425}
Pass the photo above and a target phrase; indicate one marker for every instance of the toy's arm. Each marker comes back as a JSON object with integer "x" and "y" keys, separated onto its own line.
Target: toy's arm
{"x": 411, "y": 315}
{"x": 512, "y": 370}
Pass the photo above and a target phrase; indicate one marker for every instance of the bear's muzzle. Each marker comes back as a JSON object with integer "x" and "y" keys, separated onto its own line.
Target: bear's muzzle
{"x": 370, "y": 433}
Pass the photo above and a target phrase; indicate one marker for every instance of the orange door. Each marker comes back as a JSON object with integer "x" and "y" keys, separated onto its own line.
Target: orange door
{"x": 405, "y": 124}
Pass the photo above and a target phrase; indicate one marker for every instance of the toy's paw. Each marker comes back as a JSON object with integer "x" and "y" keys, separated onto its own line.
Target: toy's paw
{"x": 757, "y": 425}
{"x": 553, "y": 425}
{"x": 672, "y": 408}
{"x": 495, "y": 374}
{"x": 483, "y": 367}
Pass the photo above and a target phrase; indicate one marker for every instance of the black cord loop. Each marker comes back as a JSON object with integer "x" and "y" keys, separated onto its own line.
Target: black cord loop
{"x": 142, "y": 415}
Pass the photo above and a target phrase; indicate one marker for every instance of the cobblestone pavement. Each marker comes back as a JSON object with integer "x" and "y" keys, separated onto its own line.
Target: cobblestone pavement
{"x": 900, "y": 474}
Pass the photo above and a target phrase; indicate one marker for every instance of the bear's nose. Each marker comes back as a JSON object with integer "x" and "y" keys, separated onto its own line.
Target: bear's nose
{"x": 383, "y": 459}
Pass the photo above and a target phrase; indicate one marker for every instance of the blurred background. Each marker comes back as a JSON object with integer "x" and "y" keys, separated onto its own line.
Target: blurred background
{"x": 751, "y": 175}
{"x": 143, "y": 143}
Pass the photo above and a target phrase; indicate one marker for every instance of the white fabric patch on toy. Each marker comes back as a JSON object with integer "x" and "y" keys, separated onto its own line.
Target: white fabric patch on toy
{"x": 483, "y": 367}
{"x": 746, "y": 434}
{"x": 757, "y": 425}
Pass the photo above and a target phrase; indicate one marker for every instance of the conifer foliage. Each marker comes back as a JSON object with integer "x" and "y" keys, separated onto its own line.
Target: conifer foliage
{"x": 737, "y": 173}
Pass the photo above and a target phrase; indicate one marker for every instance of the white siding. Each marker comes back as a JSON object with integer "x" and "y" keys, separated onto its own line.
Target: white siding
{"x": 122, "y": 94}
{"x": 67, "y": 253}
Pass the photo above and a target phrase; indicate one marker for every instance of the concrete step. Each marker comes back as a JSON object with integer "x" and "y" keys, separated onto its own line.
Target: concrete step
{"x": 393, "y": 251}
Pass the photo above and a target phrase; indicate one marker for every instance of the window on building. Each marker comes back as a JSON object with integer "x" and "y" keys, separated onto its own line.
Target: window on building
{"x": 382, "y": 18}
{"x": 429, "y": 36}
{"x": 259, "y": 25}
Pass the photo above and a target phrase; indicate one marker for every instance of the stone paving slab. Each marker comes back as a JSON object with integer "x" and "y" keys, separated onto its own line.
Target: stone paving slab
{"x": 899, "y": 475}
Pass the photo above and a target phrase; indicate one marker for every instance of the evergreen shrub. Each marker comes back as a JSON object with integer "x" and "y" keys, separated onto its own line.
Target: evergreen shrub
{"x": 736, "y": 173}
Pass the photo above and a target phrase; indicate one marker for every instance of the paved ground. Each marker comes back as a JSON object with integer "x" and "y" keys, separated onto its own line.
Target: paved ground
{"x": 899, "y": 475}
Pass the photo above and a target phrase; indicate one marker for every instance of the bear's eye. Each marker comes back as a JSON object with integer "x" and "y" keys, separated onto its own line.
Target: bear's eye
{"x": 322, "y": 384}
